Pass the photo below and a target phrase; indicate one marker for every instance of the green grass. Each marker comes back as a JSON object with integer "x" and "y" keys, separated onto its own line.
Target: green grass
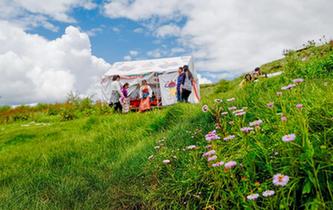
{"x": 99, "y": 160}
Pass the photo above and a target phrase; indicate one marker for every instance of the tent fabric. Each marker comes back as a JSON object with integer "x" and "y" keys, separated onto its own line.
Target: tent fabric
{"x": 161, "y": 75}
{"x": 146, "y": 66}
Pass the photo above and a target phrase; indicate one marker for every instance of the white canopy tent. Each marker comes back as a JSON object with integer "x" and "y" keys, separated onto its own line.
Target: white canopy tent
{"x": 161, "y": 75}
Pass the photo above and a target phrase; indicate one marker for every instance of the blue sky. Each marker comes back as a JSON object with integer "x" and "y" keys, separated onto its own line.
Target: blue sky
{"x": 113, "y": 38}
{"x": 49, "y": 47}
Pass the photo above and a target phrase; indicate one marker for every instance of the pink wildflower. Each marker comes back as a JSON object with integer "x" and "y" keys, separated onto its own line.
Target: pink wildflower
{"x": 279, "y": 93}
{"x": 209, "y": 153}
{"x": 231, "y": 99}
{"x": 218, "y": 164}
{"x": 289, "y": 137}
{"x": 218, "y": 100}
{"x": 208, "y": 146}
{"x": 224, "y": 113}
{"x": 191, "y": 147}
{"x": 240, "y": 113}
{"x": 270, "y": 104}
{"x": 229, "y": 137}
{"x": 205, "y": 108}
{"x": 232, "y": 108}
{"x": 288, "y": 87}
{"x": 299, "y": 106}
{"x": 268, "y": 193}
{"x": 280, "y": 179}
{"x": 252, "y": 197}
{"x": 212, "y": 136}
{"x": 166, "y": 161}
{"x": 298, "y": 80}
{"x": 256, "y": 123}
{"x": 230, "y": 164}
{"x": 212, "y": 158}
{"x": 246, "y": 129}
{"x": 283, "y": 118}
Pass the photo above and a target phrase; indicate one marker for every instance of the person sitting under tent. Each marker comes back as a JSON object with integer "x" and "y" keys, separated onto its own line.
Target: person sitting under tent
{"x": 115, "y": 93}
{"x": 125, "y": 101}
{"x": 145, "y": 96}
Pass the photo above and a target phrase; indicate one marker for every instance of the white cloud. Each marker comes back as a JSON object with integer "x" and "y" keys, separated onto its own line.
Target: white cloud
{"x": 32, "y": 13}
{"x": 168, "y": 30}
{"x": 133, "y": 53}
{"x": 94, "y": 31}
{"x": 115, "y": 29}
{"x": 138, "y": 30}
{"x": 157, "y": 53}
{"x": 233, "y": 36}
{"x": 35, "y": 69}
{"x": 203, "y": 80}
{"x": 127, "y": 58}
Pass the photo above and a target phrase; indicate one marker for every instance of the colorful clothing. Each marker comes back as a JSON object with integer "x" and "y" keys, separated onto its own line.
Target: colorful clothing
{"x": 145, "y": 95}
{"x": 179, "y": 83}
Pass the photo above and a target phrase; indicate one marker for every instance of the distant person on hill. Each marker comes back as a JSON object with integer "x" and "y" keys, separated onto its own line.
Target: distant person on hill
{"x": 115, "y": 93}
{"x": 186, "y": 84}
{"x": 125, "y": 101}
{"x": 258, "y": 73}
{"x": 179, "y": 82}
{"x": 247, "y": 79}
{"x": 145, "y": 95}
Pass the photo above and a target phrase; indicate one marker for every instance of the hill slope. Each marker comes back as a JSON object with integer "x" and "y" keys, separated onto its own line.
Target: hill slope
{"x": 116, "y": 161}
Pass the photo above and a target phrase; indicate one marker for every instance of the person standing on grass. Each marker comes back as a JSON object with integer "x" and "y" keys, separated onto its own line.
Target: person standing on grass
{"x": 145, "y": 95}
{"x": 124, "y": 100}
{"x": 115, "y": 93}
{"x": 186, "y": 84}
{"x": 179, "y": 82}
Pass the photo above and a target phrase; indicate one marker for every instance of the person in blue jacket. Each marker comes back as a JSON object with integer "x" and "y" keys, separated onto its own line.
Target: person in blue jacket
{"x": 180, "y": 80}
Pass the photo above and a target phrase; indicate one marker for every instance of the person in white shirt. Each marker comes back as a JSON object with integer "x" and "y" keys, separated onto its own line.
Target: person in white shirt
{"x": 115, "y": 93}
{"x": 186, "y": 84}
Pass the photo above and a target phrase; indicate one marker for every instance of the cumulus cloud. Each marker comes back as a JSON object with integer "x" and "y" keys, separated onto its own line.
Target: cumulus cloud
{"x": 32, "y": 13}
{"x": 204, "y": 80}
{"x": 168, "y": 30}
{"x": 231, "y": 36}
{"x": 33, "y": 68}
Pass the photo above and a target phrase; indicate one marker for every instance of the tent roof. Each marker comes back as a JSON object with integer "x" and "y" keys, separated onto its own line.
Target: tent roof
{"x": 146, "y": 66}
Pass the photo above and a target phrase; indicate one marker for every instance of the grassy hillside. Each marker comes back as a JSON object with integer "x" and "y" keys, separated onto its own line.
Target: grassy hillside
{"x": 99, "y": 160}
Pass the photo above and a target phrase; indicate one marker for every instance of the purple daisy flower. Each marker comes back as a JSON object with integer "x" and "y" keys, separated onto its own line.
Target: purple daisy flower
{"x": 252, "y": 197}
{"x": 299, "y": 106}
{"x": 205, "y": 108}
{"x": 209, "y": 153}
{"x": 246, "y": 129}
{"x": 289, "y": 137}
{"x": 280, "y": 179}
{"x": 230, "y": 164}
{"x": 232, "y": 108}
{"x": 212, "y": 158}
{"x": 218, "y": 164}
{"x": 284, "y": 118}
{"x": 240, "y": 113}
{"x": 268, "y": 193}
{"x": 229, "y": 137}
{"x": 298, "y": 80}
{"x": 212, "y": 136}
{"x": 166, "y": 161}
{"x": 270, "y": 104}
{"x": 256, "y": 123}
